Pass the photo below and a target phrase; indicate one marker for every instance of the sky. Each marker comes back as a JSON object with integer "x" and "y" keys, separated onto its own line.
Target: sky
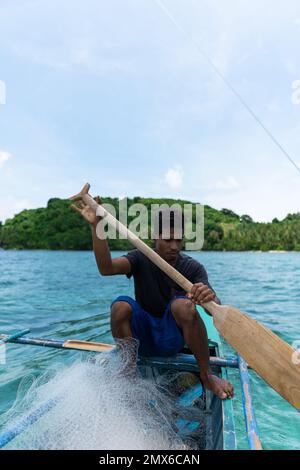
{"x": 117, "y": 94}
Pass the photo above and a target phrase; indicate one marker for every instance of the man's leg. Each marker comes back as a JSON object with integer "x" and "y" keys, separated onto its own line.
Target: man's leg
{"x": 195, "y": 335}
{"x": 121, "y": 313}
{"x": 120, "y": 320}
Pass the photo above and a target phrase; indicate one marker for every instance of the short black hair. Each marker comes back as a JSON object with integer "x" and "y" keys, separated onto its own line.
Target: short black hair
{"x": 168, "y": 218}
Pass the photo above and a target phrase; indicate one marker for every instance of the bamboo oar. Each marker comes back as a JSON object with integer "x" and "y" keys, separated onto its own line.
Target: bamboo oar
{"x": 265, "y": 352}
{"x": 178, "y": 361}
{"x": 67, "y": 344}
{"x": 10, "y": 338}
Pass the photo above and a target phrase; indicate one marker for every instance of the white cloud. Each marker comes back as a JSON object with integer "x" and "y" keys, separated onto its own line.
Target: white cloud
{"x": 4, "y": 156}
{"x": 174, "y": 177}
{"x": 181, "y": 104}
{"x": 88, "y": 36}
{"x": 22, "y": 204}
{"x": 227, "y": 184}
{"x": 2, "y": 92}
{"x": 296, "y": 92}
{"x": 11, "y": 206}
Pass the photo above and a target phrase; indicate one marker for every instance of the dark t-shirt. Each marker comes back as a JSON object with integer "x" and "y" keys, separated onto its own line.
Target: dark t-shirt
{"x": 153, "y": 288}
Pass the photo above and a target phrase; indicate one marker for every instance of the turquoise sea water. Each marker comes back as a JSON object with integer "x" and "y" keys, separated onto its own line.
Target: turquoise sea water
{"x": 61, "y": 295}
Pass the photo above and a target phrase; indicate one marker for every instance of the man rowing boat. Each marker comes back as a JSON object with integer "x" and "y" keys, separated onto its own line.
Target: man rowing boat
{"x": 161, "y": 317}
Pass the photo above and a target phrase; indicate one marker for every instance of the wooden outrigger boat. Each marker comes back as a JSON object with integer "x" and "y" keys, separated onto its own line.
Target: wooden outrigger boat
{"x": 253, "y": 342}
{"x": 216, "y": 431}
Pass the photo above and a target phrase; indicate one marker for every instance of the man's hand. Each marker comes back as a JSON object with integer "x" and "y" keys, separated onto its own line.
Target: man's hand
{"x": 86, "y": 212}
{"x": 201, "y": 294}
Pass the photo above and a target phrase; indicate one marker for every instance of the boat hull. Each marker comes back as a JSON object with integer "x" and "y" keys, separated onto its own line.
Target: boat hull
{"x": 216, "y": 430}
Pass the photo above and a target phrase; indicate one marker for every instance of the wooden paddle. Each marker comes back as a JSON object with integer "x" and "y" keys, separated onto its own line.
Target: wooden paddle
{"x": 265, "y": 352}
{"x": 87, "y": 345}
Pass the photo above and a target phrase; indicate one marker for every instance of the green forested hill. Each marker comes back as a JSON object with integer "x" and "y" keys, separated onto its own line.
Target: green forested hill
{"x": 57, "y": 227}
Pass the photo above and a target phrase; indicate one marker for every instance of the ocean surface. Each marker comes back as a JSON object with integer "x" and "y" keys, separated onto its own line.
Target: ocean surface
{"x": 60, "y": 295}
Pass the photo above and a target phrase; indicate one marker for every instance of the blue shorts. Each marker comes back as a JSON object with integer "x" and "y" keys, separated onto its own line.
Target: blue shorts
{"x": 157, "y": 336}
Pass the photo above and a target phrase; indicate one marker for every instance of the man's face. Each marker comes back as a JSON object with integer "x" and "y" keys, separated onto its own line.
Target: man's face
{"x": 168, "y": 247}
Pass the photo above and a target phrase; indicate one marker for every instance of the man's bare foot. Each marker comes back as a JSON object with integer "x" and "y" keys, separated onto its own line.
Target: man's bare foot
{"x": 220, "y": 387}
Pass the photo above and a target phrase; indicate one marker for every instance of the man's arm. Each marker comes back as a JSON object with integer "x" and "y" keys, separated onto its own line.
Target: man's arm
{"x": 106, "y": 265}
{"x": 202, "y": 292}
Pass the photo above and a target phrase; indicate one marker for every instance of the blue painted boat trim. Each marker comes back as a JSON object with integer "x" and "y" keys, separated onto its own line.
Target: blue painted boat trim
{"x": 180, "y": 361}
{"x": 185, "y": 362}
{"x": 186, "y": 399}
{"x": 248, "y": 408}
{"x": 192, "y": 394}
{"x": 17, "y": 335}
{"x": 229, "y": 433}
{"x": 38, "y": 342}
{"x": 27, "y": 421}
{"x": 186, "y": 427}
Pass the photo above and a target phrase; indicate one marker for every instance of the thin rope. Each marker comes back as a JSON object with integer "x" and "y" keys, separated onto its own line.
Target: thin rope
{"x": 163, "y": 7}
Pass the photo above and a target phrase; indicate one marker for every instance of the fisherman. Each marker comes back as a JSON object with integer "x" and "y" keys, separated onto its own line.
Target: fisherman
{"x": 161, "y": 317}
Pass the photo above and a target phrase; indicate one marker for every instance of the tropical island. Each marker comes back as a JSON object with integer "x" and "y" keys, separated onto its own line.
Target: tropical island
{"x": 57, "y": 227}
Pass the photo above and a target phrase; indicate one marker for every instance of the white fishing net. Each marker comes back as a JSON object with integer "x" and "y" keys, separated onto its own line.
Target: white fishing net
{"x": 101, "y": 403}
